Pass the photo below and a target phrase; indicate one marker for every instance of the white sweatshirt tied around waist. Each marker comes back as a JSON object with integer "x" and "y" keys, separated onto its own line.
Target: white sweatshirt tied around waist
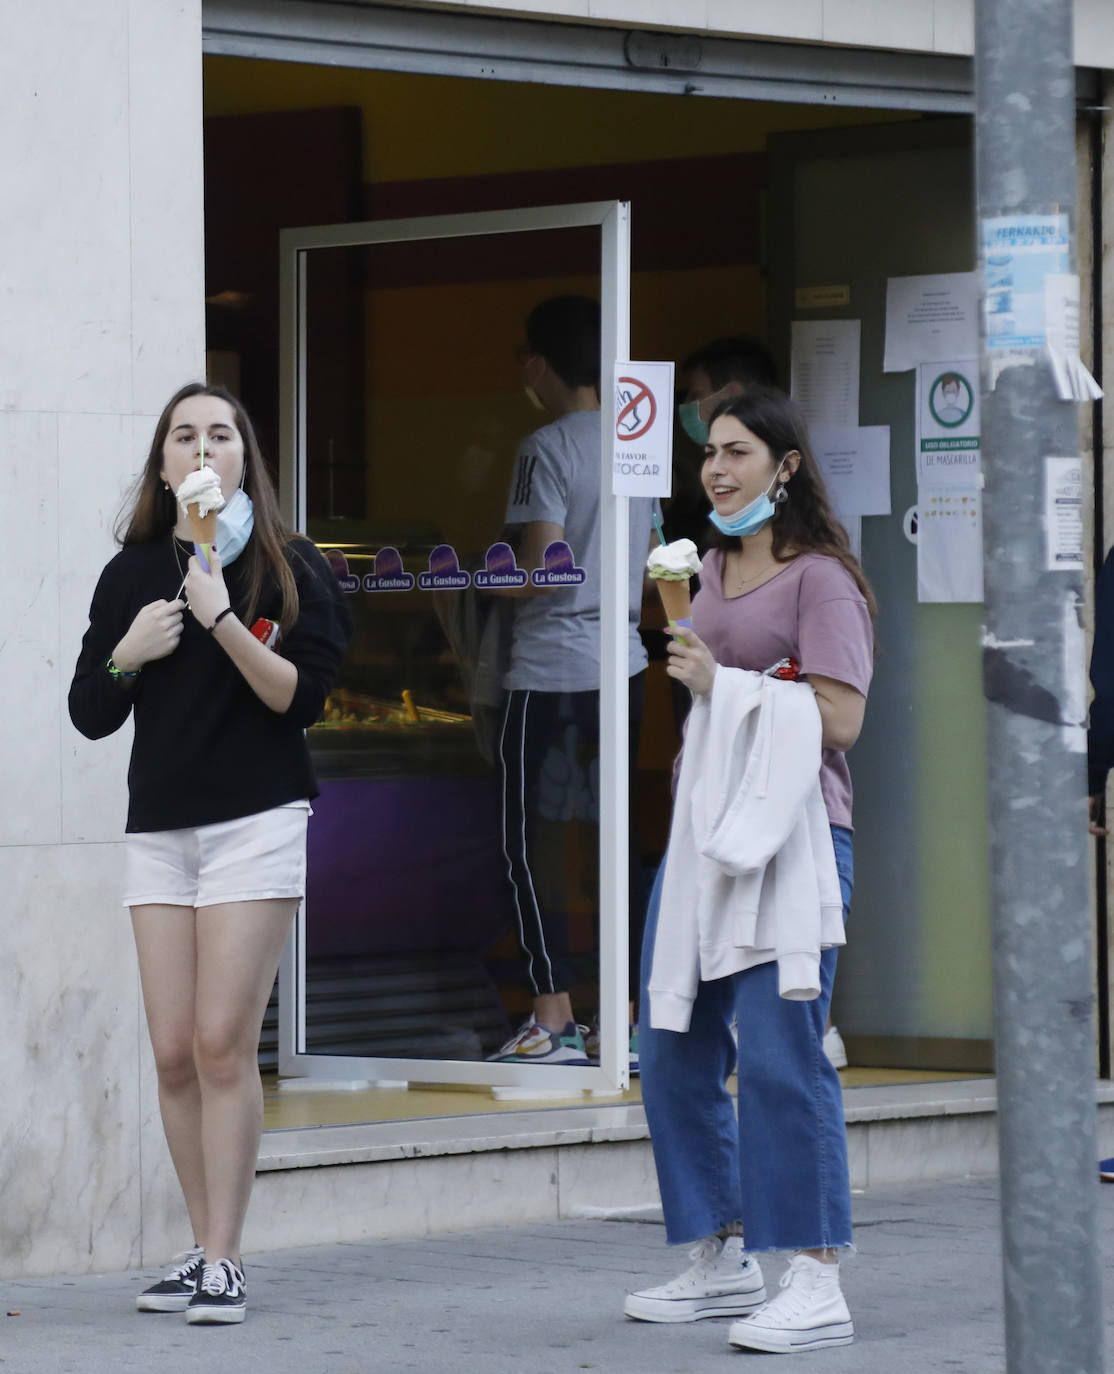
{"x": 750, "y": 876}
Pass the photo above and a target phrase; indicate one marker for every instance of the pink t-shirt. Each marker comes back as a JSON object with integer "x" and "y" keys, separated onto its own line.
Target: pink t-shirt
{"x": 811, "y": 611}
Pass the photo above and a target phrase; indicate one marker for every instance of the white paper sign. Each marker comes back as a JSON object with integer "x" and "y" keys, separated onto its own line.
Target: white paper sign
{"x": 930, "y": 318}
{"x": 1061, "y": 310}
{"x": 1063, "y": 514}
{"x": 949, "y": 544}
{"x": 855, "y": 461}
{"x": 642, "y": 453}
{"x": 824, "y": 370}
{"x": 948, "y": 443}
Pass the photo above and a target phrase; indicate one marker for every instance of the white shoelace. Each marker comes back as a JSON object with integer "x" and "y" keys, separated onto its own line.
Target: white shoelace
{"x": 218, "y": 1279}
{"x": 181, "y": 1265}
{"x": 793, "y": 1301}
{"x": 706, "y": 1251}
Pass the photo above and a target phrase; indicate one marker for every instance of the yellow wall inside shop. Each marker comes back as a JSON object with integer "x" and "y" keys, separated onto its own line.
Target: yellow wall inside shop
{"x": 418, "y": 127}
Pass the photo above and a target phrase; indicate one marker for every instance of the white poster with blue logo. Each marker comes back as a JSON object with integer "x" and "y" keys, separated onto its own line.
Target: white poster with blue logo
{"x": 1019, "y": 253}
{"x": 642, "y": 449}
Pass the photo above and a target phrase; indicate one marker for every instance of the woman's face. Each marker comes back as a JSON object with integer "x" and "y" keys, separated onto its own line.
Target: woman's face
{"x": 224, "y": 446}
{"x": 738, "y": 466}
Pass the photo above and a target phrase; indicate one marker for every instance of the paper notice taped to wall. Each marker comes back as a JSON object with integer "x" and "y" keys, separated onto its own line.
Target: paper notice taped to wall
{"x": 949, "y": 544}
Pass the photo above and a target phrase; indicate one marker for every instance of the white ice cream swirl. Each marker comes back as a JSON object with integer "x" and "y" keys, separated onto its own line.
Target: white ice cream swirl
{"x": 201, "y": 488}
{"x": 674, "y": 562}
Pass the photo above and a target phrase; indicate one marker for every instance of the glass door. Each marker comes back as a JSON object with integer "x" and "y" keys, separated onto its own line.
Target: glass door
{"x": 405, "y": 448}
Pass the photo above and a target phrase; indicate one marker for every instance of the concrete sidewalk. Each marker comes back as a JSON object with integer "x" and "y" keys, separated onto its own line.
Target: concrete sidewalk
{"x": 924, "y": 1291}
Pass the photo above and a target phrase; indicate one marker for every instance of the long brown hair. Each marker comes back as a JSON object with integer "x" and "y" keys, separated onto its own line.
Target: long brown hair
{"x": 152, "y": 511}
{"x": 805, "y": 521}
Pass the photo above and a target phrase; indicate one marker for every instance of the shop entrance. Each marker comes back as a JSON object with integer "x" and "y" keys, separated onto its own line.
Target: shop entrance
{"x": 292, "y": 144}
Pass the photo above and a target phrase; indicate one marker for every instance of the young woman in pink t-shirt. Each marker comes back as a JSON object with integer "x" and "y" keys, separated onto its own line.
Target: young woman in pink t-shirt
{"x": 780, "y": 582}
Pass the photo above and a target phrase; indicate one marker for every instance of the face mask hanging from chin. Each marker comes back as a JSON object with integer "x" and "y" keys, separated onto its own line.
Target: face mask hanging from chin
{"x": 235, "y": 523}
{"x": 753, "y": 516}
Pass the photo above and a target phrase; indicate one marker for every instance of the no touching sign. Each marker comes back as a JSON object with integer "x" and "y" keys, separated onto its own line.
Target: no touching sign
{"x": 642, "y": 457}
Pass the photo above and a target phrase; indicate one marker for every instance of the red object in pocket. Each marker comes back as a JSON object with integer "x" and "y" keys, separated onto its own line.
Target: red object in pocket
{"x": 786, "y": 669}
{"x": 267, "y": 632}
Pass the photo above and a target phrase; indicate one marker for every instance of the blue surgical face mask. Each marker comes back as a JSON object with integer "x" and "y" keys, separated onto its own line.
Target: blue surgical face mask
{"x": 753, "y": 516}
{"x": 235, "y": 523}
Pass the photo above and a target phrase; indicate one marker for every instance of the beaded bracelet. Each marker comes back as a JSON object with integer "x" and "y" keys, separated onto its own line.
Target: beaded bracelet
{"x": 118, "y": 674}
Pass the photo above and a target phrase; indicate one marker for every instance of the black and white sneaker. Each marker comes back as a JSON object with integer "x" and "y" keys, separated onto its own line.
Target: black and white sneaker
{"x": 220, "y": 1296}
{"x": 174, "y": 1290}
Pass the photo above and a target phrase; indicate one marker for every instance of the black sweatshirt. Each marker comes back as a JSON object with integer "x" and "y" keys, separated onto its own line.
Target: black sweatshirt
{"x": 1100, "y": 736}
{"x": 206, "y": 749}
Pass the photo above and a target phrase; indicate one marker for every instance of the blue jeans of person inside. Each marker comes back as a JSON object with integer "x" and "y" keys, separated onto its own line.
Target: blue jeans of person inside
{"x": 780, "y": 1166}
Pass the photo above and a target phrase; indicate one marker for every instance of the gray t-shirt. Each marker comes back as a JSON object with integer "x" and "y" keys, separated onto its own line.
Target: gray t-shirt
{"x": 556, "y": 643}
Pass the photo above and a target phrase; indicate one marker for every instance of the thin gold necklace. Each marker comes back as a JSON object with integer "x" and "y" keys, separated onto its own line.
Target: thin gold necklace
{"x": 745, "y": 581}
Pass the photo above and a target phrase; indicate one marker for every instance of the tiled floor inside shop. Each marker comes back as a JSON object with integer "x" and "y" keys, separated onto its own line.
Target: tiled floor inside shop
{"x": 301, "y": 1104}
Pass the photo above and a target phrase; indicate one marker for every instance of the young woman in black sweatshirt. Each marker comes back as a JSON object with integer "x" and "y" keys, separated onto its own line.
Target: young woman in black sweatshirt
{"x": 222, "y": 670}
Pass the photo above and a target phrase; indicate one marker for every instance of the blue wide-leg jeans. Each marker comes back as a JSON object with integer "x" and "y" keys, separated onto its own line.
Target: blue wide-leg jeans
{"x": 781, "y": 1167}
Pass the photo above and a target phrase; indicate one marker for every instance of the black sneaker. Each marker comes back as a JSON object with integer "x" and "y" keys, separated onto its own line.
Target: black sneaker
{"x": 219, "y": 1299}
{"x": 174, "y": 1290}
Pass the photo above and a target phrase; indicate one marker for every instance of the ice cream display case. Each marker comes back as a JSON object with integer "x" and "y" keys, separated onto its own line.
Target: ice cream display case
{"x": 405, "y": 891}
{"x": 401, "y": 705}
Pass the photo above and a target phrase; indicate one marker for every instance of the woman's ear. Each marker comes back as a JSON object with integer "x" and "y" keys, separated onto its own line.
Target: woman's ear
{"x": 792, "y": 461}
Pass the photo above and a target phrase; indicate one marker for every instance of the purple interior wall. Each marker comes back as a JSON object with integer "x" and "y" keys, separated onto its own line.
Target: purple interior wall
{"x": 404, "y": 865}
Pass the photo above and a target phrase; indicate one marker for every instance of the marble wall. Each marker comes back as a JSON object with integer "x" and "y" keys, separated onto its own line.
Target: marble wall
{"x": 101, "y": 275}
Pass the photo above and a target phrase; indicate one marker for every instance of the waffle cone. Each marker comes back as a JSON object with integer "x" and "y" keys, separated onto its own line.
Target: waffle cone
{"x": 676, "y": 599}
{"x": 203, "y": 528}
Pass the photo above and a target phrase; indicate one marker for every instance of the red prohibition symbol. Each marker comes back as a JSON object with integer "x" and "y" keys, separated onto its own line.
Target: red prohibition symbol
{"x": 638, "y": 409}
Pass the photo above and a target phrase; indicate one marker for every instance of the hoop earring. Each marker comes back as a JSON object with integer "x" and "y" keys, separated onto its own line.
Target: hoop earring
{"x": 782, "y": 494}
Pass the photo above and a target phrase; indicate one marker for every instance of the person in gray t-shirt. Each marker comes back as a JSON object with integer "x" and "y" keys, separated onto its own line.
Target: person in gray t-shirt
{"x": 548, "y": 745}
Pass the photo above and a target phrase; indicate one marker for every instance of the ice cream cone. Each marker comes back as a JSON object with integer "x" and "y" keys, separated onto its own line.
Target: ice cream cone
{"x": 204, "y": 531}
{"x": 676, "y": 599}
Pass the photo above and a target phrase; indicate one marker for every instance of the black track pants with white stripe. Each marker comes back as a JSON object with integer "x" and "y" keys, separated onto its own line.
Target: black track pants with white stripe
{"x": 548, "y": 755}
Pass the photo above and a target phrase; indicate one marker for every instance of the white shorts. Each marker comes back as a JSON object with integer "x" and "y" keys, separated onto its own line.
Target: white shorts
{"x": 252, "y": 859}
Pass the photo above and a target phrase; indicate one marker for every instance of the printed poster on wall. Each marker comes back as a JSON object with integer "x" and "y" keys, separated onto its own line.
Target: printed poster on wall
{"x": 1063, "y": 514}
{"x": 949, "y": 544}
{"x": 855, "y": 463}
{"x": 929, "y": 317}
{"x": 824, "y": 370}
{"x": 948, "y": 444}
{"x": 1019, "y": 253}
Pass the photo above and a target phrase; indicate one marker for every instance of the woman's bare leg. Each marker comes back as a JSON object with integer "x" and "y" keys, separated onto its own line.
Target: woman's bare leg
{"x": 165, "y": 941}
{"x": 238, "y": 950}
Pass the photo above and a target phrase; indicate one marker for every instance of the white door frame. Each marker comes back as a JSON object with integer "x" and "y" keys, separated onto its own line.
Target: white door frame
{"x": 613, "y": 220}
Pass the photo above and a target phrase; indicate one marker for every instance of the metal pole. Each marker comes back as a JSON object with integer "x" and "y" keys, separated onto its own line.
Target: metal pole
{"x": 1033, "y": 680}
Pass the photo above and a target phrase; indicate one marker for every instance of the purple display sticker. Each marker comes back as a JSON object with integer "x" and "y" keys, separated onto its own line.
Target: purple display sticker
{"x": 389, "y": 574}
{"x": 558, "y": 568}
{"x": 444, "y": 573}
{"x": 347, "y": 581}
{"x": 500, "y": 569}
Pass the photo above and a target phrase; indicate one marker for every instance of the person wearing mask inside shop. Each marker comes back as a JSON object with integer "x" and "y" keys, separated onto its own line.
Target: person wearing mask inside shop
{"x": 714, "y": 373}
{"x": 548, "y": 743}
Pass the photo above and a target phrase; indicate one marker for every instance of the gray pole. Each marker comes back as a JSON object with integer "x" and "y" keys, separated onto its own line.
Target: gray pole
{"x": 1033, "y": 680}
